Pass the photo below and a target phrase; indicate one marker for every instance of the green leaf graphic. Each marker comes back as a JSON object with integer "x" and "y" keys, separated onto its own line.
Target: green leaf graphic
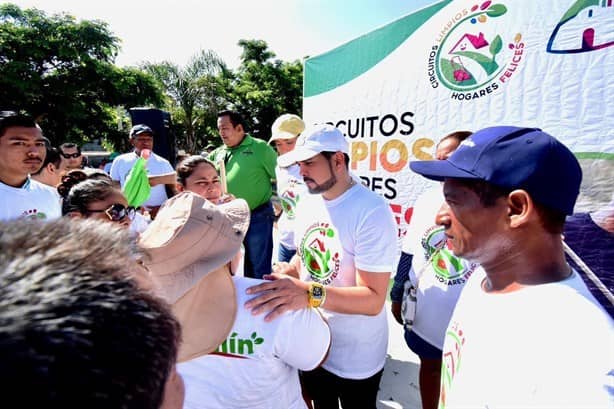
{"x": 495, "y": 46}
{"x": 496, "y": 10}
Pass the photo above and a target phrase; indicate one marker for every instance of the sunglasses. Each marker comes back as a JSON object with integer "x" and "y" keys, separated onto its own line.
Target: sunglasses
{"x": 117, "y": 212}
{"x": 71, "y": 155}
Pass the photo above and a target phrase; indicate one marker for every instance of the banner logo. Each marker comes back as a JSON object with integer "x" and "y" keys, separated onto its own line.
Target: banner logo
{"x": 586, "y": 26}
{"x": 320, "y": 252}
{"x": 471, "y": 56}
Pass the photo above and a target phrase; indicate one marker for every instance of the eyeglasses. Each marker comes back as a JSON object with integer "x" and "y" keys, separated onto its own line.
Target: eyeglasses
{"x": 70, "y": 155}
{"x": 117, "y": 212}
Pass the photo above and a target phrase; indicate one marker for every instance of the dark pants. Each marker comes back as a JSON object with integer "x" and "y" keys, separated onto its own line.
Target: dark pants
{"x": 259, "y": 242}
{"x": 327, "y": 389}
{"x": 284, "y": 253}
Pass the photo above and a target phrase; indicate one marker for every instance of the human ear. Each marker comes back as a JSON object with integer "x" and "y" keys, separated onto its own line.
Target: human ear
{"x": 520, "y": 207}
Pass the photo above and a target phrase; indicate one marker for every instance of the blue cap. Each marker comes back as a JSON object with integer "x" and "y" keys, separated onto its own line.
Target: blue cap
{"x": 514, "y": 158}
{"x": 139, "y": 129}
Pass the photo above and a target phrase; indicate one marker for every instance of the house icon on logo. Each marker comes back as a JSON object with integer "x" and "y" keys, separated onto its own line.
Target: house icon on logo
{"x": 588, "y": 30}
{"x": 469, "y": 42}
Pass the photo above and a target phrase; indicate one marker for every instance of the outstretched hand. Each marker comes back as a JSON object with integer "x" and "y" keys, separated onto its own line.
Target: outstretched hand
{"x": 282, "y": 293}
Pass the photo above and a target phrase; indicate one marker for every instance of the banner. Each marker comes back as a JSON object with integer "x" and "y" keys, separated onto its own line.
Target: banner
{"x": 466, "y": 65}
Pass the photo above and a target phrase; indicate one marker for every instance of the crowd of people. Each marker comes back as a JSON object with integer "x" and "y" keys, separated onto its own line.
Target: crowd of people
{"x": 148, "y": 286}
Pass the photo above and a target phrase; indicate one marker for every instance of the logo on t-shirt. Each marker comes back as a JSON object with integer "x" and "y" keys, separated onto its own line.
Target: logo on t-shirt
{"x": 451, "y": 360}
{"x": 235, "y": 347}
{"x": 448, "y": 268}
{"x": 289, "y": 200}
{"x": 320, "y": 252}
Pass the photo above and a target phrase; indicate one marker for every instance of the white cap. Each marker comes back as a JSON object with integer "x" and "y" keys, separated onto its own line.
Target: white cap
{"x": 287, "y": 126}
{"x": 314, "y": 140}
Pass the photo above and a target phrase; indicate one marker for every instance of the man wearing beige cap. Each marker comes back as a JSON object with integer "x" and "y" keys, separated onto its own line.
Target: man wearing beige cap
{"x": 231, "y": 359}
{"x": 290, "y": 185}
{"x": 346, "y": 247}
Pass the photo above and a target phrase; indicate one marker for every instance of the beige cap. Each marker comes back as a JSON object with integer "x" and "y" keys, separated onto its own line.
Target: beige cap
{"x": 189, "y": 244}
{"x": 287, "y": 126}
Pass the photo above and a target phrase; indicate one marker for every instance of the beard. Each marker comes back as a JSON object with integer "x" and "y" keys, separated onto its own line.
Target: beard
{"x": 322, "y": 187}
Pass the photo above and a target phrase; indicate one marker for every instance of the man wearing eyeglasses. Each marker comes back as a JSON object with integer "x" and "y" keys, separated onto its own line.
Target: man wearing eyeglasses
{"x": 141, "y": 138}
{"x": 72, "y": 153}
{"x": 22, "y": 152}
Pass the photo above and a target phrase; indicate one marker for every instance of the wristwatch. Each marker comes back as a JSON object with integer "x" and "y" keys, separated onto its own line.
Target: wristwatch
{"x": 317, "y": 295}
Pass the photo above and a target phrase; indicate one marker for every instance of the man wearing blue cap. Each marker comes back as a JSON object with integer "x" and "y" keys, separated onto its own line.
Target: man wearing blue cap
{"x": 526, "y": 332}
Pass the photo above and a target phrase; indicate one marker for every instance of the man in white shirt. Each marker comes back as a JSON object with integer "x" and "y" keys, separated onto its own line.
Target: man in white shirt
{"x": 526, "y": 332}
{"x": 142, "y": 137}
{"x": 52, "y": 170}
{"x": 22, "y": 152}
{"x": 345, "y": 237}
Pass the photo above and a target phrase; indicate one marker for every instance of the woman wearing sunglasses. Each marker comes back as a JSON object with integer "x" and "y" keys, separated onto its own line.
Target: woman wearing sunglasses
{"x": 94, "y": 199}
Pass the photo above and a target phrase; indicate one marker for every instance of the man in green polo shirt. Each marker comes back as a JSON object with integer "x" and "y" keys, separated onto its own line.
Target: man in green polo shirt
{"x": 250, "y": 169}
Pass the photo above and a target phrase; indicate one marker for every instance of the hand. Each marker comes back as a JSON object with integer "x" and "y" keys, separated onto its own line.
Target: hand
{"x": 396, "y": 311}
{"x": 284, "y": 268}
{"x": 225, "y": 198}
{"x": 279, "y": 295}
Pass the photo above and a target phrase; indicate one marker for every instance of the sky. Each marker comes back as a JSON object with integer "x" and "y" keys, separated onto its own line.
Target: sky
{"x": 159, "y": 30}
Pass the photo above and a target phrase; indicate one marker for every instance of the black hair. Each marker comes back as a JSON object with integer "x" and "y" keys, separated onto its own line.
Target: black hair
{"x": 52, "y": 156}
{"x": 76, "y": 329}
{"x": 70, "y": 145}
{"x": 235, "y": 118}
{"x": 328, "y": 155}
{"x": 78, "y": 191}
{"x": 552, "y": 220}
{"x": 186, "y": 167}
{"x": 9, "y": 119}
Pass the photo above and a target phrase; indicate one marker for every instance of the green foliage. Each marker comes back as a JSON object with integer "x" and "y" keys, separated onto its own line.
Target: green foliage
{"x": 192, "y": 96}
{"x": 62, "y": 72}
{"x": 264, "y": 88}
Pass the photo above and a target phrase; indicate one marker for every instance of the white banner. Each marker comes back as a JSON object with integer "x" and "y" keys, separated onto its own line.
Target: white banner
{"x": 465, "y": 65}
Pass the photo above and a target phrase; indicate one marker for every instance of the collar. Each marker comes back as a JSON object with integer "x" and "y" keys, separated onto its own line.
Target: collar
{"x": 247, "y": 140}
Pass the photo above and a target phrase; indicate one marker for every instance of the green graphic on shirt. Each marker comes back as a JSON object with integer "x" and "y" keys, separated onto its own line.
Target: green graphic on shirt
{"x": 320, "y": 252}
{"x": 241, "y": 346}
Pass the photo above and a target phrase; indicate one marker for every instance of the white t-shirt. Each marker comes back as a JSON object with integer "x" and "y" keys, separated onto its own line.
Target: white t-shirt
{"x": 257, "y": 366}
{"x": 443, "y": 279}
{"x": 544, "y": 346}
{"x": 333, "y": 239}
{"x": 33, "y": 200}
{"x": 291, "y": 189}
{"x": 156, "y": 165}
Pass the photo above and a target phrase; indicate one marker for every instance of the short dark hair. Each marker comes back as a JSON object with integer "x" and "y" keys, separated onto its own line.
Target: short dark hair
{"x": 76, "y": 330}
{"x": 9, "y": 119}
{"x": 52, "y": 156}
{"x": 70, "y": 145}
{"x": 346, "y": 157}
{"x": 186, "y": 167}
{"x": 235, "y": 118}
{"x": 552, "y": 220}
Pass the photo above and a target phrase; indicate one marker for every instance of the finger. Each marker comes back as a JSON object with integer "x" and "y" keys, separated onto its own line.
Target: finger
{"x": 261, "y": 287}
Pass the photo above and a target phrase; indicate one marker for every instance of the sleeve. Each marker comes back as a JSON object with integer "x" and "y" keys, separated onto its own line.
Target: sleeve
{"x": 168, "y": 168}
{"x": 376, "y": 241}
{"x": 270, "y": 161}
{"x": 401, "y": 276}
{"x": 302, "y": 339}
{"x": 114, "y": 172}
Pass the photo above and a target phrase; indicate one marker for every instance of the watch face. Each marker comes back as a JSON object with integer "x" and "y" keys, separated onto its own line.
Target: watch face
{"x": 317, "y": 292}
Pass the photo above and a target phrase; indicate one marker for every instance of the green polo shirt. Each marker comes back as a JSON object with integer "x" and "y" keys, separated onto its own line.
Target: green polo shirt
{"x": 250, "y": 168}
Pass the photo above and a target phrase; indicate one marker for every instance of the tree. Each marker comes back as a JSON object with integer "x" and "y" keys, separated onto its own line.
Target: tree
{"x": 62, "y": 72}
{"x": 193, "y": 92}
{"x": 263, "y": 88}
